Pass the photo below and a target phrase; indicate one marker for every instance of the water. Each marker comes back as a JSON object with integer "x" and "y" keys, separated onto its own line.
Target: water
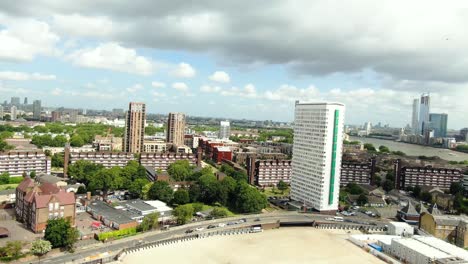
{"x": 415, "y": 150}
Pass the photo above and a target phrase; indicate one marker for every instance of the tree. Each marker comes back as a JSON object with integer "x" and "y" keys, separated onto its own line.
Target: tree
{"x": 197, "y": 207}
{"x": 4, "y": 178}
{"x": 249, "y": 199}
{"x": 456, "y": 188}
{"x": 83, "y": 170}
{"x": 209, "y": 189}
{"x": 179, "y": 170}
{"x": 81, "y": 190}
{"x": 416, "y": 191}
{"x": 426, "y": 196}
{"x": 384, "y": 149}
{"x": 57, "y": 160}
{"x": 354, "y": 189}
{"x": 150, "y": 221}
{"x": 194, "y": 193}
{"x": 12, "y": 249}
{"x": 390, "y": 175}
{"x": 362, "y": 200}
{"x": 136, "y": 187}
{"x": 161, "y": 190}
{"x": 282, "y": 186}
{"x": 145, "y": 190}
{"x": 40, "y": 247}
{"x": 105, "y": 180}
{"x": 48, "y": 153}
{"x": 377, "y": 180}
{"x": 218, "y": 212}
{"x": 388, "y": 185}
{"x": 76, "y": 141}
{"x": 60, "y": 233}
{"x": 369, "y": 147}
{"x": 32, "y": 175}
{"x": 183, "y": 213}
{"x": 181, "y": 196}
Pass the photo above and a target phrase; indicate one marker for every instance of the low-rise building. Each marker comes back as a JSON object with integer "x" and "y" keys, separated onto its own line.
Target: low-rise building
{"x": 357, "y": 172}
{"x": 110, "y": 216}
{"x": 154, "y": 146}
{"x": 107, "y": 143}
{"x": 372, "y": 201}
{"x": 409, "y": 214}
{"x": 161, "y": 161}
{"x": 221, "y": 153}
{"x": 7, "y": 197}
{"x": 271, "y": 172}
{"x": 400, "y": 229}
{"x": 451, "y": 228}
{"x": 37, "y": 203}
{"x": 425, "y": 176}
{"x": 106, "y": 159}
{"x": 17, "y": 163}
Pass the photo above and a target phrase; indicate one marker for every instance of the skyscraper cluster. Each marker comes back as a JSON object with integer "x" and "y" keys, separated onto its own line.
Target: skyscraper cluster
{"x": 424, "y": 122}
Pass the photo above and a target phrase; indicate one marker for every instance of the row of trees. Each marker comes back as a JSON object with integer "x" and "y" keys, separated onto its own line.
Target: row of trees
{"x": 382, "y": 149}
{"x": 96, "y": 177}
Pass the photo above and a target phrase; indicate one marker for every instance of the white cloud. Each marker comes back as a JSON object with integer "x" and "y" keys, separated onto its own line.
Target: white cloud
{"x": 210, "y": 89}
{"x": 56, "y": 91}
{"x": 220, "y": 76}
{"x": 158, "y": 84}
{"x": 24, "y": 39}
{"x": 79, "y": 25}
{"x": 180, "y": 86}
{"x": 291, "y": 93}
{"x": 183, "y": 70}
{"x": 135, "y": 88}
{"x": 156, "y": 94}
{"x": 112, "y": 56}
{"x": 249, "y": 91}
{"x": 23, "y": 76}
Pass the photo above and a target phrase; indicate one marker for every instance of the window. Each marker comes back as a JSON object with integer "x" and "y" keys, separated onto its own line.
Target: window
{"x": 51, "y": 206}
{"x": 57, "y": 206}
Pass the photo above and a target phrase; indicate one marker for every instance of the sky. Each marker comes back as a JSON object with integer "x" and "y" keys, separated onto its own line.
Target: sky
{"x": 239, "y": 59}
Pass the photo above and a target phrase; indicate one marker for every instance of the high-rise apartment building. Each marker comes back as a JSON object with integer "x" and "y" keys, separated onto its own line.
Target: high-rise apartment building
{"x": 424, "y": 110}
{"x": 414, "y": 119}
{"x": 25, "y": 102}
{"x": 13, "y": 113}
{"x": 176, "y": 129}
{"x": 438, "y": 122}
{"x": 224, "y": 130}
{"x": 15, "y": 101}
{"x": 55, "y": 116}
{"x": 1, "y": 112}
{"x": 37, "y": 109}
{"x": 134, "y": 128}
{"x": 316, "y": 162}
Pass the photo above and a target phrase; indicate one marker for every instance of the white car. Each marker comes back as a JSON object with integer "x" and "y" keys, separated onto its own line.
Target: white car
{"x": 199, "y": 229}
{"x": 221, "y": 224}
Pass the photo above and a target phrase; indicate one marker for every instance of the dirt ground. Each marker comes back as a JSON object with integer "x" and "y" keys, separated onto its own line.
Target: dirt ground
{"x": 286, "y": 245}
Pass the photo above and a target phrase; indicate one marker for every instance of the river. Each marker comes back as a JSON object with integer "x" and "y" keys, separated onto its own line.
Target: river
{"x": 414, "y": 150}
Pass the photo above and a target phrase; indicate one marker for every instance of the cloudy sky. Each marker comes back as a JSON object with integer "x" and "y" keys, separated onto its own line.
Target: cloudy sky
{"x": 239, "y": 59}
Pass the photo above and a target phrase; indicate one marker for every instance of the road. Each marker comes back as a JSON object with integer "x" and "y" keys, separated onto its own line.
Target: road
{"x": 116, "y": 246}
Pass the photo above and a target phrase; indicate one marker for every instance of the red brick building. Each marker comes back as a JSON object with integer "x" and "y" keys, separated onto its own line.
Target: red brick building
{"x": 36, "y": 203}
{"x": 221, "y": 153}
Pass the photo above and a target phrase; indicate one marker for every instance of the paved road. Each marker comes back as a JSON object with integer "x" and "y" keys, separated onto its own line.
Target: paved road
{"x": 117, "y": 246}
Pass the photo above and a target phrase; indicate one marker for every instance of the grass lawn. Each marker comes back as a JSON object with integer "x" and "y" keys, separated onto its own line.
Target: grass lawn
{"x": 270, "y": 192}
{"x": 208, "y": 207}
{"x": 8, "y": 186}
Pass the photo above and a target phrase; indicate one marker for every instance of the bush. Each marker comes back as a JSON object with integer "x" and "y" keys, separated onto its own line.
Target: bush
{"x": 197, "y": 207}
{"x": 117, "y": 234}
{"x": 15, "y": 180}
{"x": 219, "y": 212}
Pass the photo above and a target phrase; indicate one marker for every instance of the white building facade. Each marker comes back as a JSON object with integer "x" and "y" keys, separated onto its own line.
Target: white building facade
{"x": 224, "y": 130}
{"x": 316, "y": 162}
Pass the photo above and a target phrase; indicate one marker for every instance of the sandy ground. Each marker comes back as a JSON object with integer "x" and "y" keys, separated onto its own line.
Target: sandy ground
{"x": 287, "y": 245}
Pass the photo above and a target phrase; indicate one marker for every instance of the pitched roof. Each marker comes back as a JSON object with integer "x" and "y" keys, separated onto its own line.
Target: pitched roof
{"x": 63, "y": 197}
{"x": 25, "y": 184}
{"x": 422, "y": 209}
{"x": 49, "y": 188}
{"x": 409, "y": 209}
{"x": 448, "y": 220}
{"x": 434, "y": 210}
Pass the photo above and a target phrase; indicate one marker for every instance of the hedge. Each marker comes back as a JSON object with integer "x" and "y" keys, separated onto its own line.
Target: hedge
{"x": 117, "y": 234}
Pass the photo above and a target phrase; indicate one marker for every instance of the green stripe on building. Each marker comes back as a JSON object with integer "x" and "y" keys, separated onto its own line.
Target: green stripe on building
{"x": 333, "y": 163}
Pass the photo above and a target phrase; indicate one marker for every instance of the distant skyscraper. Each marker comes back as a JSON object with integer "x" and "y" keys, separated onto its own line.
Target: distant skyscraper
{"x": 13, "y": 113}
{"x": 424, "y": 110}
{"x": 134, "y": 128}
{"x": 316, "y": 162}
{"x": 438, "y": 122}
{"x": 56, "y": 115}
{"x": 414, "y": 119}
{"x": 224, "y": 130}
{"x": 1, "y": 112}
{"x": 15, "y": 101}
{"x": 368, "y": 127}
{"x": 73, "y": 116}
{"x": 37, "y": 109}
{"x": 25, "y": 101}
{"x": 176, "y": 129}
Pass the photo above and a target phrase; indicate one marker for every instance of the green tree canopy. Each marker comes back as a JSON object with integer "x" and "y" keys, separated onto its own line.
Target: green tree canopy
{"x": 369, "y": 147}
{"x": 362, "y": 200}
{"x": 249, "y": 199}
{"x": 76, "y": 141}
{"x": 179, "y": 170}
{"x": 181, "y": 196}
{"x": 161, "y": 190}
{"x": 388, "y": 185}
{"x": 384, "y": 149}
{"x": 456, "y": 188}
{"x": 282, "y": 186}
{"x": 60, "y": 233}
{"x": 353, "y": 188}
{"x": 183, "y": 213}
{"x": 136, "y": 187}
{"x": 40, "y": 247}
{"x": 150, "y": 222}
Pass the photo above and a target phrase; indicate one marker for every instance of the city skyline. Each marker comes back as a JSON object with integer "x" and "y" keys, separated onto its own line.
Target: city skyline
{"x": 207, "y": 63}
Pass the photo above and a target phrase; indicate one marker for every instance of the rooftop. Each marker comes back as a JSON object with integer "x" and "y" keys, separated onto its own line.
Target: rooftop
{"x": 139, "y": 205}
{"x": 422, "y": 248}
{"x": 110, "y": 213}
{"x": 443, "y": 246}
